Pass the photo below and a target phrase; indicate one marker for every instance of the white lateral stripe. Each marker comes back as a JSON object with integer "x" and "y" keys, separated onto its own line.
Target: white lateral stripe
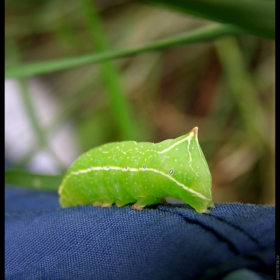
{"x": 105, "y": 168}
{"x": 177, "y": 143}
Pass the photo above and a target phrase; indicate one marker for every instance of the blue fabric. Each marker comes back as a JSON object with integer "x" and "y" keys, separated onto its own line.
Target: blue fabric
{"x": 43, "y": 241}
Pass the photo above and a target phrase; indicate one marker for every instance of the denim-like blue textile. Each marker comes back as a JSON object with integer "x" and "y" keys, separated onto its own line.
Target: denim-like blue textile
{"x": 43, "y": 241}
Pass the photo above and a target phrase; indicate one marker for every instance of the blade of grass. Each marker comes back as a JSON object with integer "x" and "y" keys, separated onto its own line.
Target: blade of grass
{"x": 243, "y": 90}
{"x": 28, "y": 180}
{"x": 119, "y": 106}
{"x": 204, "y": 34}
{"x": 39, "y": 132}
{"x": 256, "y": 16}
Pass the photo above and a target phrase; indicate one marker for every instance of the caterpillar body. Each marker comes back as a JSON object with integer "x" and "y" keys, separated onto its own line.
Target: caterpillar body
{"x": 141, "y": 173}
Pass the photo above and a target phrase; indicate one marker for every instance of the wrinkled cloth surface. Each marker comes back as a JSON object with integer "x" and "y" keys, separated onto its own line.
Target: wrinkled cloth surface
{"x": 43, "y": 241}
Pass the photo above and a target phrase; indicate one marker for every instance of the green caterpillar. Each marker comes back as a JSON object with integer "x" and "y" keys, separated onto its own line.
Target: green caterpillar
{"x": 141, "y": 173}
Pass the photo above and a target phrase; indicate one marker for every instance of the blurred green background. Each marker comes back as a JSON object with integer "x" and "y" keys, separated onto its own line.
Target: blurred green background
{"x": 225, "y": 86}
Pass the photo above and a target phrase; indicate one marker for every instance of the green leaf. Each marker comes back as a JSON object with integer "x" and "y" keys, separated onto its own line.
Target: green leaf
{"x": 111, "y": 77}
{"x": 204, "y": 34}
{"x": 256, "y": 16}
{"x": 28, "y": 180}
